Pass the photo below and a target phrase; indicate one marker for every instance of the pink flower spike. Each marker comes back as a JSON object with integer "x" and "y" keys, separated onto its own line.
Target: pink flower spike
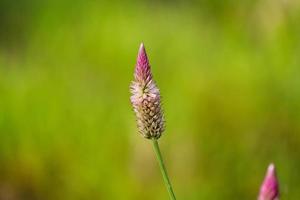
{"x": 145, "y": 99}
{"x": 269, "y": 189}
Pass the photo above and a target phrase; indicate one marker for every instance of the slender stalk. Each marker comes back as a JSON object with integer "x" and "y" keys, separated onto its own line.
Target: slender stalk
{"x": 163, "y": 169}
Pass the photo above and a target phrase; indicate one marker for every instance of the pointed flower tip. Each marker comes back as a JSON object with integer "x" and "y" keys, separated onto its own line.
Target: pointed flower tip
{"x": 269, "y": 189}
{"x": 142, "y": 70}
{"x": 142, "y": 47}
{"x": 142, "y": 59}
{"x": 271, "y": 170}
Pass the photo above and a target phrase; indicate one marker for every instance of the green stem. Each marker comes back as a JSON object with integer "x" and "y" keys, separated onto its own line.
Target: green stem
{"x": 163, "y": 169}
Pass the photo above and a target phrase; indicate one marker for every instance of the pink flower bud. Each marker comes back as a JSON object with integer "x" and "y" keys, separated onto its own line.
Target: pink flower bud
{"x": 269, "y": 189}
{"x": 145, "y": 99}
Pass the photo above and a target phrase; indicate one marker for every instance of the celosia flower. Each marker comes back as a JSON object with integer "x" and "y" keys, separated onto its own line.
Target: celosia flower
{"x": 269, "y": 189}
{"x": 145, "y": 99}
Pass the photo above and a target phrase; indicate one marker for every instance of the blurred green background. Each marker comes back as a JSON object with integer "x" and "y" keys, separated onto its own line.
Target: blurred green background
{"x": 229, "y": 74}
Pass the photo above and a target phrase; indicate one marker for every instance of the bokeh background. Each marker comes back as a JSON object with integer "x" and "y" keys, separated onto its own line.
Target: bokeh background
{"x": 229, "y": 74}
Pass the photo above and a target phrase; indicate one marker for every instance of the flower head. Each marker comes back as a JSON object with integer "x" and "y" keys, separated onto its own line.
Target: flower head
{"x": 145, "y": 99}
{"x": 269, "y": 189}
